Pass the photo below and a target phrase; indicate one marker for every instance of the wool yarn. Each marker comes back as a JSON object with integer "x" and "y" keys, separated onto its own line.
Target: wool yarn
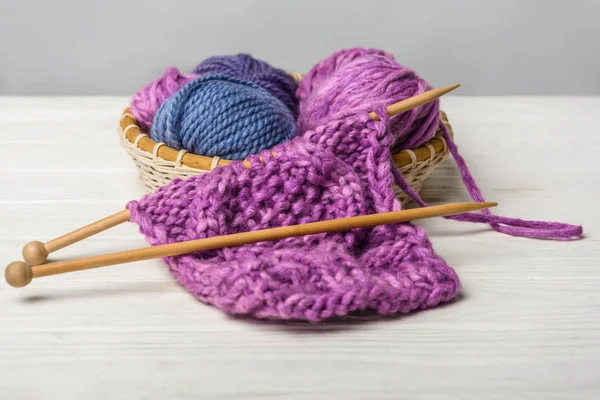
{"x": 145, "y": 103}
{"x": 244, "y": 66}
{"x": 325, "y": 68}
{"x": 340, "y": 170}
{"x": 365, "y": 82}
{"x": 218, "y": 115}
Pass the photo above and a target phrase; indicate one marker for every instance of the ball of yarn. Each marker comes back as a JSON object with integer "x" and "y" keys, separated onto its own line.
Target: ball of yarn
{"x": 366, "y": 82}
{"x": 325, "y": 68}
{"x": 219, "y": 115}
{"x": 243, "y": 66}
{"x": 146, "y": 102}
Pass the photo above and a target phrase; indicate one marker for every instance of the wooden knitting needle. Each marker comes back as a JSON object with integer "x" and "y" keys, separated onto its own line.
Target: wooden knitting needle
{"x": 416, "y": 101}
{"x": 19, "y": 274}
{"x": 36, "y": 253}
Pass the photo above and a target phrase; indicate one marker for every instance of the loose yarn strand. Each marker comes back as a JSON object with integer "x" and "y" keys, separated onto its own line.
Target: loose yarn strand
{"x": 510, "y": 226}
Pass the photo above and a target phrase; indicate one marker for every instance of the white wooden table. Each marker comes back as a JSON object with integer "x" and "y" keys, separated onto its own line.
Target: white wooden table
{"x": 526, "y": 326}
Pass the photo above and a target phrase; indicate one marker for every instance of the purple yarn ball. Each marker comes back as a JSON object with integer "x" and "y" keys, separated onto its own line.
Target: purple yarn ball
{"x": 243, "y": 66}
{"x": 365, "y": 80}
{"x": 327, "y": 67}
{"x": 148, "y": 100}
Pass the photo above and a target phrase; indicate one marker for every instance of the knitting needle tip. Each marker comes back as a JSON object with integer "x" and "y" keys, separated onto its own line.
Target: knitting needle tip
{"x": 479, "y": 205}
{"x": 439, "y": 92}
{"x": 416, "y": 101}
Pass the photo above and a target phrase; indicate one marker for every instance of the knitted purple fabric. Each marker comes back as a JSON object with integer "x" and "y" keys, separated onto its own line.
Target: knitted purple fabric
{"x": 340, "y": 169}
{"x": 243, "y": 66}
{"x": 148, "y": 100}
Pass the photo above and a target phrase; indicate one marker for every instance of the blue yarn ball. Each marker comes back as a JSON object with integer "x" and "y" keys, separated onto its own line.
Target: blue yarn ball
{"x": 243, "y": 66}
{"x": 218, "y": 115}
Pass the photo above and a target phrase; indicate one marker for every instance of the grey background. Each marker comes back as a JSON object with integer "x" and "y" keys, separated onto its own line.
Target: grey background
{"x": 113, "y": 47}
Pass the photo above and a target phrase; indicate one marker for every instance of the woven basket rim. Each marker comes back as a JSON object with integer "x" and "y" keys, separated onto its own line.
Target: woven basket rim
{"x": 132, "y": 133}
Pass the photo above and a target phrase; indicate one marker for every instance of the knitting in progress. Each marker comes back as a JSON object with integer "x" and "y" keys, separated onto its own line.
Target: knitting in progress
{"x": 340, "y": 165}
{"x": 334, "y": 161}
{"x": 341, "y": 169}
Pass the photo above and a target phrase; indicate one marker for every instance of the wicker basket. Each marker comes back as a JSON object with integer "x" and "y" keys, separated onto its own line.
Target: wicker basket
{"x": 158, "y": 164}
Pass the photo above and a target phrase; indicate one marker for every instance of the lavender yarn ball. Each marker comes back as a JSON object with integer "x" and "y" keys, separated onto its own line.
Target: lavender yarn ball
{"x": 327, "y": 67}
{"x": 243, "y": 66}
{"x": 367, "y": 81}
{"x": 146, "y": 102}
{"x": 219, "y": 115}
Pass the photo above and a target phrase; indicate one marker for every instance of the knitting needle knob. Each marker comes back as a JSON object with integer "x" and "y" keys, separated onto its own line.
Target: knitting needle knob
{"x": 18, "y": 274}
{"x": 35, "y": 253}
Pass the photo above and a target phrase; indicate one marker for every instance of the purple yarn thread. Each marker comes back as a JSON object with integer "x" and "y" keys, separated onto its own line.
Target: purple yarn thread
{"x": 340, "y": 170}
{"x": 510, "y": 226}
{"x": 243, "y": 66}
{"x": 358, "y": 79}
